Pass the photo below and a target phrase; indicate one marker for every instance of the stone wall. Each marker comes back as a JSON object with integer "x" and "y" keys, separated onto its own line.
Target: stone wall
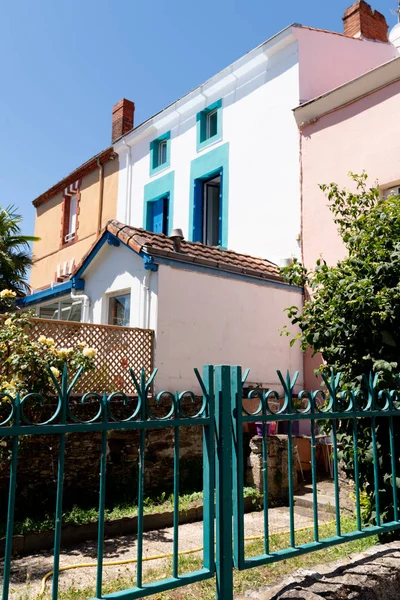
{"x": 277, "y": 461}
{"x": 38, "y": 463}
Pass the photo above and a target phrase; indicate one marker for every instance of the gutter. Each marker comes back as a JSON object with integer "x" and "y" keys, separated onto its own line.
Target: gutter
{"x": 86, "y": 304}
{"x": 101, "y": 196}
{"x": 54, "y": 291}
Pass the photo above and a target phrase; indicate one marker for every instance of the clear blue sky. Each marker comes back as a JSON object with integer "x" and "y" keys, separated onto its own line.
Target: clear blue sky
{"x": 65, "y": 63}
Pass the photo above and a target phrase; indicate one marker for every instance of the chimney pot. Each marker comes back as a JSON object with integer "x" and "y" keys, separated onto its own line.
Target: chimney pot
{"x": 122, "y": 118}
{"x": 361, "y": 21}
{"x": 176, "y": 236}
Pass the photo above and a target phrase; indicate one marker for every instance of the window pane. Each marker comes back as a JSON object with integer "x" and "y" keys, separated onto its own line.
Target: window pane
{"x": 71, "y": 310}
{"x": 162, "y": 152}
{"x": 212, "y": 121}
{"x": 72, "y": 215}
{"x": 119, "y": 309}
{"x": 49, "y": 312}
{"x": 212, "y": 210}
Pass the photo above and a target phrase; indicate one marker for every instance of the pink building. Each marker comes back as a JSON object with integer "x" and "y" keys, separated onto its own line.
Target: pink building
{"x": 355, "y": 127}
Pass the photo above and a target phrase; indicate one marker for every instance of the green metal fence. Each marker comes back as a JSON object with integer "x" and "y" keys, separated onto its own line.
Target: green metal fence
{"x": 18, "y": 420}
{"x": 332, "y": 406}
{"x": 221, "y": 416}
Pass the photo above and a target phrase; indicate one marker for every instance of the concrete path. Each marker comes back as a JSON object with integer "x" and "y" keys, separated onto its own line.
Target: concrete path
{"x": 28, "y": 571}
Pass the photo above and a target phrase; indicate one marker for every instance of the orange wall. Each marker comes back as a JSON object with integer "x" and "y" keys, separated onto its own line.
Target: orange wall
{"x": 47, "y": 252}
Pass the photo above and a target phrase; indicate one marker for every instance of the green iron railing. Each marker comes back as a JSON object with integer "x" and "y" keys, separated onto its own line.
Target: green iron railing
{"x": 331, "y": 405}
{"x": 221, "y": 416}
{"x": 19, "y": 422}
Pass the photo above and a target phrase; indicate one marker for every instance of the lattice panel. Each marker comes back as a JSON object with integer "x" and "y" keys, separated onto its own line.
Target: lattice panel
{"x": 118, "y": 349}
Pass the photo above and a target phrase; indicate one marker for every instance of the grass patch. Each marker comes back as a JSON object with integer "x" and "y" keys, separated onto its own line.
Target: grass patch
{"x": 83, "y": 516}
{"x": 243, "y": 580}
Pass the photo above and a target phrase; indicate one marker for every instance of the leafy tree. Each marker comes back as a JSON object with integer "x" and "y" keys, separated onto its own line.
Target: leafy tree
{"x": 15, "y": 255}
{"x": 351, "y": 316}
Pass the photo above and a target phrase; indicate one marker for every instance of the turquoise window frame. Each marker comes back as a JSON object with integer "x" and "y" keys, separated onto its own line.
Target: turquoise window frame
{"x": 202, "y": 168}
{"x": 154, "y": 146}
{"x": 155, "y": 190}
{"x": 201, "y": 125}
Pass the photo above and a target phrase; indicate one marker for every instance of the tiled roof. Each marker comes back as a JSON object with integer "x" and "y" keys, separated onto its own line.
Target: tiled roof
{"x": 160, "y": 245}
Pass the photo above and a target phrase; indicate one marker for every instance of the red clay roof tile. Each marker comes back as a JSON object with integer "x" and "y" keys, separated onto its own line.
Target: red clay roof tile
{"x": 158, "y": 244}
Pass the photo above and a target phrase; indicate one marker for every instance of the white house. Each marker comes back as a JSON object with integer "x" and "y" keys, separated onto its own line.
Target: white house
{"x": 222, "y": 162}
{"x": 223, "y": 165}
{"x": 206, "y": 305}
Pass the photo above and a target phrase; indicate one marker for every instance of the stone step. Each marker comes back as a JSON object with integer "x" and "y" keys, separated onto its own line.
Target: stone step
{"x": 325, "y": 497}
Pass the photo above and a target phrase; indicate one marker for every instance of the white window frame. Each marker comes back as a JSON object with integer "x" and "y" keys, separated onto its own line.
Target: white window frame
{"x": 59, "y": 302}
{"x": 108, "y": 297}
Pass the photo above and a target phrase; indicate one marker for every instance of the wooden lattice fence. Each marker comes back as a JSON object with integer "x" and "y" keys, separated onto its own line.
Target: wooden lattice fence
{"x": 118, "y": 349}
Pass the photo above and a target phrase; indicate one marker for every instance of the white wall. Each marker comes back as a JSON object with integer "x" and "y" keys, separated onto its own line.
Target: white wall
{"x": 205, "y": 319}
{"x": 119, "y": 270}
{"x": 258, "y": 92}
{"x": 264, "y": 204}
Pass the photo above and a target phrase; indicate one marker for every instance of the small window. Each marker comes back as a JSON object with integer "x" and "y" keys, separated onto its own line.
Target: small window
{"x": 393, "y": 191}
{"x": 49, "y": 312}
{"x": 71, "y": 310}
{"x": 162, "y": 152}
{"x": 159, "y": 153}
{"x": 65, "y": 310}
{"x": 119, "y": 310}
{"x": 70, "y": 219}
{"x": 209, "y": 125}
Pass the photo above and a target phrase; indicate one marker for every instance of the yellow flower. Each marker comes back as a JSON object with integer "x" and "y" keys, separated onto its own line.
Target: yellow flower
{"x": 70, "y": 350}
{"x": 81, "y": 344}
{"x": 7, "y": 294}
{"x": 42, "y": 339}
{"x": 8, "y": 322}
{"x": 50, "y": 341}
{"x": 89, "y": 352}
{"x": 55, "y": 372}
{"x": 8, "y": 388}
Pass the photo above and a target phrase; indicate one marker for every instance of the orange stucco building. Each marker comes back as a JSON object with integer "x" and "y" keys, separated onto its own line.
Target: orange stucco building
{"x": 71, "y": 214}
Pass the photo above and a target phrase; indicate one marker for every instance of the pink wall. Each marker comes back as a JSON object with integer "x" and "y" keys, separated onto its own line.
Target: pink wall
{"x": 362, "y": 136}
{"x": 327, "y": 60}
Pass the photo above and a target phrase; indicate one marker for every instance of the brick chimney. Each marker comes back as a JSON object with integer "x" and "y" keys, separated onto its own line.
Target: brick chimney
{"x": 122, "y": 118}
{"x": 361, "y": 21}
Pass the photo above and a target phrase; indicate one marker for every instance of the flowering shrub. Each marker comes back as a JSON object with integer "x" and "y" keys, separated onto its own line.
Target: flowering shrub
{"x": 24, "y": 360}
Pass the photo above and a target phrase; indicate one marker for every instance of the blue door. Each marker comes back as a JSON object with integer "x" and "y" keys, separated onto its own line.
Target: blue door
{"x": 159, "y": 216}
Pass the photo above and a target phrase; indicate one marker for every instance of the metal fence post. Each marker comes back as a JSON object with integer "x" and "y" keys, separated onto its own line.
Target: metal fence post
{"x": 223, "y": 483}
{"x": 237, "y": 466}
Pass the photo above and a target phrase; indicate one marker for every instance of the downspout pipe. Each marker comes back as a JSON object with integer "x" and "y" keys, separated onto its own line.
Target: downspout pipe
{"x": 146, "y": 299}
{"x": 86, "y": 304}
{"x": 101, "y": 196}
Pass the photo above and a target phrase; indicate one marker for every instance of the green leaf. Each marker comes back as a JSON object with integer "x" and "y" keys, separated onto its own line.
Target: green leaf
{"x": 387, "y": 339}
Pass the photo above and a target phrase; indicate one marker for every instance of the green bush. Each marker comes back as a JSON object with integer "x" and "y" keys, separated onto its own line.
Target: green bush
{"x": 351, "y": 316}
